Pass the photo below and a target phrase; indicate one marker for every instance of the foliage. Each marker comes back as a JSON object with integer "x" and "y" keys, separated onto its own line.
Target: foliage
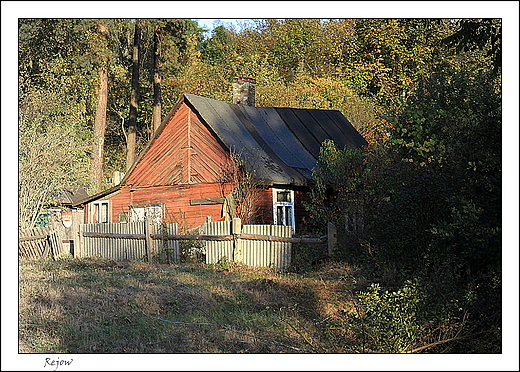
{"x": 339, "y": 190}
{"x": 242, "y": 200}
{"x": 483, "y": 34}
{"x": 50, "y": 157}
{"x": 391, "y": 319}
{"x": 432, "y": 203}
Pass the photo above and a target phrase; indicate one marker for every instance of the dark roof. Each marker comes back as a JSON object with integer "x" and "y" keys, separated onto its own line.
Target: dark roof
{"x": 99, "y": 195}
{"x": 280, "y": 144}
{"x": 71, "y": 196}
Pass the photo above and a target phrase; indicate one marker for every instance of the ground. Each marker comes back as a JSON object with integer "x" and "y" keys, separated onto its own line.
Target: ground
{"x": 103, "y": 306}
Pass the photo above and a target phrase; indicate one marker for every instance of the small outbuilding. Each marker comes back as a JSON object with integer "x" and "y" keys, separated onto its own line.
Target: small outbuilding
{"x": 193, "y": 167}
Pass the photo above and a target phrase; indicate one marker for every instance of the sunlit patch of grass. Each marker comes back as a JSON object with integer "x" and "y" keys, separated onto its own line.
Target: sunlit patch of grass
{"x": 103, "y": 306}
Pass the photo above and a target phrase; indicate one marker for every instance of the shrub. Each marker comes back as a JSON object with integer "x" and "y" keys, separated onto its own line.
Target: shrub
{"x": 390, "y": 319}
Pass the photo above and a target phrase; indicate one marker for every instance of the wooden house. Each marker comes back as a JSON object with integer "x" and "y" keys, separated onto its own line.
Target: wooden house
{"x": 181, "y": 175}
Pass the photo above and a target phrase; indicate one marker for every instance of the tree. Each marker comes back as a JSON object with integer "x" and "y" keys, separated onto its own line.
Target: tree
{"x": 448, "y": 134}
{"x": 219, "y": 48}
{"x": 483, "y": 34}
{"x": 58, "y": 75}
{"x": 156, "y": 118}
{"x": 340, "y": 188}
{"x": 101, "y": 112}
{"x": 134, "y": 99}
{"x": 51, "y": 156}
{"x": 240, "y": 189}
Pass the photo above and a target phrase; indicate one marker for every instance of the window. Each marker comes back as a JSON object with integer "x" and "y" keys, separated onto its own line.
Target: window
{"x": 140, "y": 213}
{"x": 100, "y": 212}
{"x": 283, "y": 207}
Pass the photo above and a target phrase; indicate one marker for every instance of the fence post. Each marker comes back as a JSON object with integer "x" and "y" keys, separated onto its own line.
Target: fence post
{"x": 236, "y": 228}
{"x": 332, "y": 237}
{"x": 81, "y": 243}
{"x": 148, "y": 225}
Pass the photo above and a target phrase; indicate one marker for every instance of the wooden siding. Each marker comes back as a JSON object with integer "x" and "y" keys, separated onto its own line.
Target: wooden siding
{"x": 120, "y": 203}
{"x": 185, "y": 152}
{"x": 177, "y": 205}
{"x": 175, "y": 201}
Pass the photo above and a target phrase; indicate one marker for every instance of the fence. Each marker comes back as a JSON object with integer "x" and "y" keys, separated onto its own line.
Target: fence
{"x": 131, "y": 241}
{"x": 250, "y": 244}
{"x": 39, "y": 242}
{"x": 253, "y": 245}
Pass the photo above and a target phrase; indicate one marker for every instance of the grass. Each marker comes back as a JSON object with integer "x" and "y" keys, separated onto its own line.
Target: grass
{"x": 103, "y": 306}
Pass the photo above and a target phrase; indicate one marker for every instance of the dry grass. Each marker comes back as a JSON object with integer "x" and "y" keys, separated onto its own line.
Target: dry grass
{"x": 103, "y": 306}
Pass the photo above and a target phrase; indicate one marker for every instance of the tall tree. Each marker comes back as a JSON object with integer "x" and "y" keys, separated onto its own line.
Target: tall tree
{"x": 134, "y": 99}
{"x": 157, "y": 76}
{"x": 100, "y": 121}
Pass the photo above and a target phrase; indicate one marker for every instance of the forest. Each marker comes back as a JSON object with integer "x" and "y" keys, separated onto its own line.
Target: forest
{"x": 423, "y": 201}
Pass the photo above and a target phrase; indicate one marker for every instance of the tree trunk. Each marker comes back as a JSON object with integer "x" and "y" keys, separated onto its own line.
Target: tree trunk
{"x": 134, "y": 99}
{"x": 100, "y": 121}
{"x": 157, "y": 101}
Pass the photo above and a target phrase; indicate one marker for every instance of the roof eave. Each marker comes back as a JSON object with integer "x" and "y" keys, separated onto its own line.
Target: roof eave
{"x": 97, "y": 196}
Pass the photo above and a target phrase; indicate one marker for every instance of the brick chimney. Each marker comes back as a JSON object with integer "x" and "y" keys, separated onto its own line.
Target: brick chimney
{"x": 244, "y": 91}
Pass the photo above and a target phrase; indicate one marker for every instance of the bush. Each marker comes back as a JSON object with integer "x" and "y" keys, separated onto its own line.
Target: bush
{"x": 390, "y": 319}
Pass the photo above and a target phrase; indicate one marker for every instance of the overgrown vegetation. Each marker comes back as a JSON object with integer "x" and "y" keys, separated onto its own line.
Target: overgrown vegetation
{"x": 429, "y": 203}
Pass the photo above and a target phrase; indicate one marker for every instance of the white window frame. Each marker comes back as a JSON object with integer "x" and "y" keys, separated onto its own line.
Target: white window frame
{"x": 96, "y": 208}
{"x": 286, "y": 206}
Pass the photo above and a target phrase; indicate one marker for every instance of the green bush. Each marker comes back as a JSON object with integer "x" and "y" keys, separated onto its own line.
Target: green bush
{"x": 390, "y": 319}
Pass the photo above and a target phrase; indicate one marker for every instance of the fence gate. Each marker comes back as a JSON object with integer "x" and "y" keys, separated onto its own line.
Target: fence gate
{"x": 39, "y": 242}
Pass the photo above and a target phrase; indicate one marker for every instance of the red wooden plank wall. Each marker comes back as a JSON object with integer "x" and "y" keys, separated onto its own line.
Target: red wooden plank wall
{"x": 175, "y": 201}
{"x": 184, "y": 152}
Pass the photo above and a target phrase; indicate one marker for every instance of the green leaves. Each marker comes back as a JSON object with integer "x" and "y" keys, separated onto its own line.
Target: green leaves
{"x": 340, "y": 185}
{"x": 392, "y": 319}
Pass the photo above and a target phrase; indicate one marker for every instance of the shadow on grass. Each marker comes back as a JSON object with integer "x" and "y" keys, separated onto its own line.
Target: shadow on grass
{"x": 103, "y": 306}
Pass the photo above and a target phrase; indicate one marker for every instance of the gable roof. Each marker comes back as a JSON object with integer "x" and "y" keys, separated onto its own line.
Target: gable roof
{"x": 71, "y": 196}
{"x": 280, "y": 145}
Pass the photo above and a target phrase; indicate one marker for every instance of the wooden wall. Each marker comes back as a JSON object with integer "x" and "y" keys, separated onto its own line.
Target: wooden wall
{"x": 176, "y": 201}
{"x": 184, "y": 152}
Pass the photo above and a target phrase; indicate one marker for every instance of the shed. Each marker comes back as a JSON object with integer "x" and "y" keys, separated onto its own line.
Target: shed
{"x": 179, "y": 176}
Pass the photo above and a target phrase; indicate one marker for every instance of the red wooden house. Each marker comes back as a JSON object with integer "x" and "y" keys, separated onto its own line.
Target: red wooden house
{"x": 179, "y": 175}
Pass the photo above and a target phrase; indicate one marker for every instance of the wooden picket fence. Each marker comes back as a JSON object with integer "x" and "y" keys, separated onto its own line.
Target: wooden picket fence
{"x": 253, "y": 245}
{"x": 39, "y": 242}
{"x": 127, "y": 241}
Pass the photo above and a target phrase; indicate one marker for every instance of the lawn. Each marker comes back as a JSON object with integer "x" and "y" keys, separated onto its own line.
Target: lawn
{"x": 103, "y": 306}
